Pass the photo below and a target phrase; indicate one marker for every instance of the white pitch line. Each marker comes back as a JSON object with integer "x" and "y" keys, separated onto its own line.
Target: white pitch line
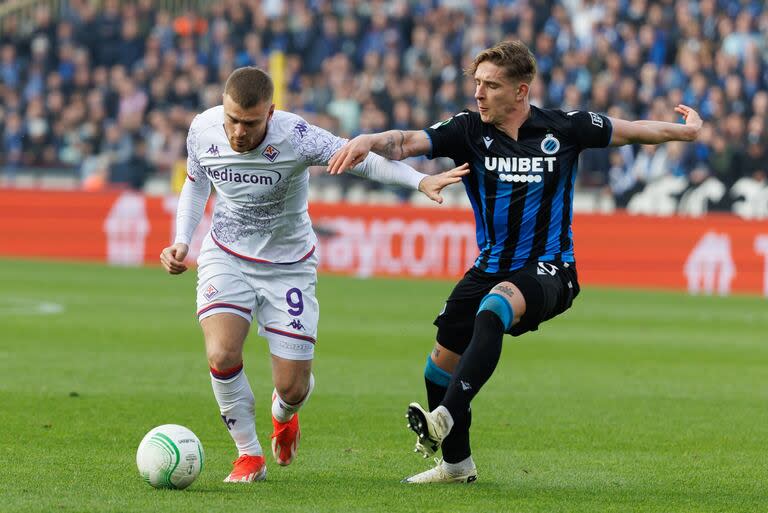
{"x": 29, "y": 307}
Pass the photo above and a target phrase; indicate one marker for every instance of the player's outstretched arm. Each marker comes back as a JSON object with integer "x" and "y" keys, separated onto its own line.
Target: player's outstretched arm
{"x": 394, "y": 145}
{"x": 173, "y": 256}
{"x": 432, "y": 185}
{"x": 656, "y": 132}
{"x": 377, "y": 168}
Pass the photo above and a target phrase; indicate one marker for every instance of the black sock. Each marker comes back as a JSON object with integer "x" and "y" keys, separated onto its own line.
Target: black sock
{"x": 435, "y": 393}
{"x": 476, "y": 366}
{"x": 456, "y": 445}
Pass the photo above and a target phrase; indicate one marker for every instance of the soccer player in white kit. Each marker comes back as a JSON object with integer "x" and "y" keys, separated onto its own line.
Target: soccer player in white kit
{"x": 259, "y": 259}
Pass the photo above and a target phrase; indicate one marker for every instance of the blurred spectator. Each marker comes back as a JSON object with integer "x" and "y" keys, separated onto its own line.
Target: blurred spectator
{"x": 13, "y": 136}
{"x": 133, "y": 172}
{"x": 10, "y": 66}
{"x": 756, "y": 158}
{"x": 80, "y": 90}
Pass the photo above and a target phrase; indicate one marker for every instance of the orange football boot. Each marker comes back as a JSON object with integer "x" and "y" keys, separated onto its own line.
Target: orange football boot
{"x": 248, "y": 469}
{"x": 285, "y": 440}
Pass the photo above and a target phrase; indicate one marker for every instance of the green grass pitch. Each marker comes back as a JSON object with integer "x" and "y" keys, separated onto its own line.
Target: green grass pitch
{"x": 631, "y": 401}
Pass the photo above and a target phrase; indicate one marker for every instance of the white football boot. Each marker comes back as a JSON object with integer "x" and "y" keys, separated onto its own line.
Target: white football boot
{"x": 440, "y": 474}
{"x": 431, "y": 428}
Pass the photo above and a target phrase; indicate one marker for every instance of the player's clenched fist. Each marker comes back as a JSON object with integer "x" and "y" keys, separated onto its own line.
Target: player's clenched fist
{"x": 173, "y": 256}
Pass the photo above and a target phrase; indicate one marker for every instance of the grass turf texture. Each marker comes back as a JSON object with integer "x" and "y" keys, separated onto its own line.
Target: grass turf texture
{"x": 632, "y": 401}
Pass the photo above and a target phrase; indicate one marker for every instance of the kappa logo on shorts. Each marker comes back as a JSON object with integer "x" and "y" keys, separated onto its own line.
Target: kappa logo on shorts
{"x": 546, "y": 268}
{"x": 270, "y": 152}
{"x": 210, "y": 292}
{"x": 296, "y": 324}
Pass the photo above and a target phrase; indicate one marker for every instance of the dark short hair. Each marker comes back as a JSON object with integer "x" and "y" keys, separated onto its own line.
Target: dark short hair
{"x": 249, "y": 86}
{"x": 514, "y": 57}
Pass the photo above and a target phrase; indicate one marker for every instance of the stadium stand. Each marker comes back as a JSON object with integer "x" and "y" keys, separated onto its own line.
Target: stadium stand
{"x": 100, "y": 94}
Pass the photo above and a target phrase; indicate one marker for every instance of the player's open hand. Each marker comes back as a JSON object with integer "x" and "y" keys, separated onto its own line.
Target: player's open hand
{"x": 692, "y": 121}
{"x": 432, "y": 185}
{"x": 173, "y": 256}
{"x": 349, "y": 155}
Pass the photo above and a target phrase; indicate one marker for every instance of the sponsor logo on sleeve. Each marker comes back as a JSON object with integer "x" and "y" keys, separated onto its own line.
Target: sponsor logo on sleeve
{"x": 441, "y": 123}
{"x": 301, "y": 129}
{"x": 597, "y": 119}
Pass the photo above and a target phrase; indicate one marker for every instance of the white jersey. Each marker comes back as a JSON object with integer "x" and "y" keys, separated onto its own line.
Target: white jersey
{"x": 261, "y": 206}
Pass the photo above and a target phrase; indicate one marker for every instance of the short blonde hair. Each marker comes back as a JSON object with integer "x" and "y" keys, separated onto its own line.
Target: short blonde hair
{"x": 514, "y": 57}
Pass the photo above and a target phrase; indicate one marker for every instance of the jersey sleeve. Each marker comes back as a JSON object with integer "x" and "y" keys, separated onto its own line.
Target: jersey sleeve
{"x": 194, "y": 193}
{"x": 449, "y": 137}
{"x": 590, "y": 130}
{"x": 195, "y": 170}
{"x": 377, "y": 168}
{"x": 314, "y": 145}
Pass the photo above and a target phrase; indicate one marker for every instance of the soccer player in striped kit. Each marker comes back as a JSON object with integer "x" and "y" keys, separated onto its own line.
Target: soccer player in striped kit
{"x": 259, "y": 260}
{"x": 523, "y": 163}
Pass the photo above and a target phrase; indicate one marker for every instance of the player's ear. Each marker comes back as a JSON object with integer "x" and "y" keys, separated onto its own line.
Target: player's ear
{"x": 271, "y": 111}
{"x": 522, "y": 91}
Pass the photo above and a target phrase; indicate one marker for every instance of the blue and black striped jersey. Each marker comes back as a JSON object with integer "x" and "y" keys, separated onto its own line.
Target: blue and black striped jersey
{"x": 521, "y": 190}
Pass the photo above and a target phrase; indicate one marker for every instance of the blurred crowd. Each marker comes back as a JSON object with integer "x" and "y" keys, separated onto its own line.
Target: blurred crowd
{"x": 110, "y": 93}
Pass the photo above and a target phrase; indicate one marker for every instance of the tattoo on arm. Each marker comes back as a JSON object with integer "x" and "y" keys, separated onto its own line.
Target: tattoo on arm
{"x": 390, "y": 149}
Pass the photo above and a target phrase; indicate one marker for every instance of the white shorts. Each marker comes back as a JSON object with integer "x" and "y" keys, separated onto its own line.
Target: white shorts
{"x": 280, "y": 296}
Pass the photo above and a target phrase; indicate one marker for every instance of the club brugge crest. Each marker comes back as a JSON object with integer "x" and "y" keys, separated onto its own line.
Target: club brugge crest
{"x": 271, "y": 152}
{"x": 550, "y": 145}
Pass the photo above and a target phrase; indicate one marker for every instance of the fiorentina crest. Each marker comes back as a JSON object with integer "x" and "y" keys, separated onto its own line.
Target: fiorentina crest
{"x": 210, "y": 292}
{"x": 270, "y": 152}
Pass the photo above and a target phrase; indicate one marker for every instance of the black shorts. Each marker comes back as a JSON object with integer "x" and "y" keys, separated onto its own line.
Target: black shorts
{"x": 548, "y": 288}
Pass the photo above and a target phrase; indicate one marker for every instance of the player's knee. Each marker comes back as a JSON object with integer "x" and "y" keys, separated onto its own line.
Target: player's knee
{"x": 221, "y": 359}
{"x": 434, "y": 373}
{"x": 291, "y": 392}
{"x": 500, "y": 306}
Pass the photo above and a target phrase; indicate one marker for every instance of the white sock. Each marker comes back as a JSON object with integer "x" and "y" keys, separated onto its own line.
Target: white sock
{"x": 283, "y": 411}
{"x": 460, "y": 468}
{"x": 236, "y": 404}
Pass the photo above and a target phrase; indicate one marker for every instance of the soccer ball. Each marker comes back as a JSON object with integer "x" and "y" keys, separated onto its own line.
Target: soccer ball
{"x": 170, "y": 456}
